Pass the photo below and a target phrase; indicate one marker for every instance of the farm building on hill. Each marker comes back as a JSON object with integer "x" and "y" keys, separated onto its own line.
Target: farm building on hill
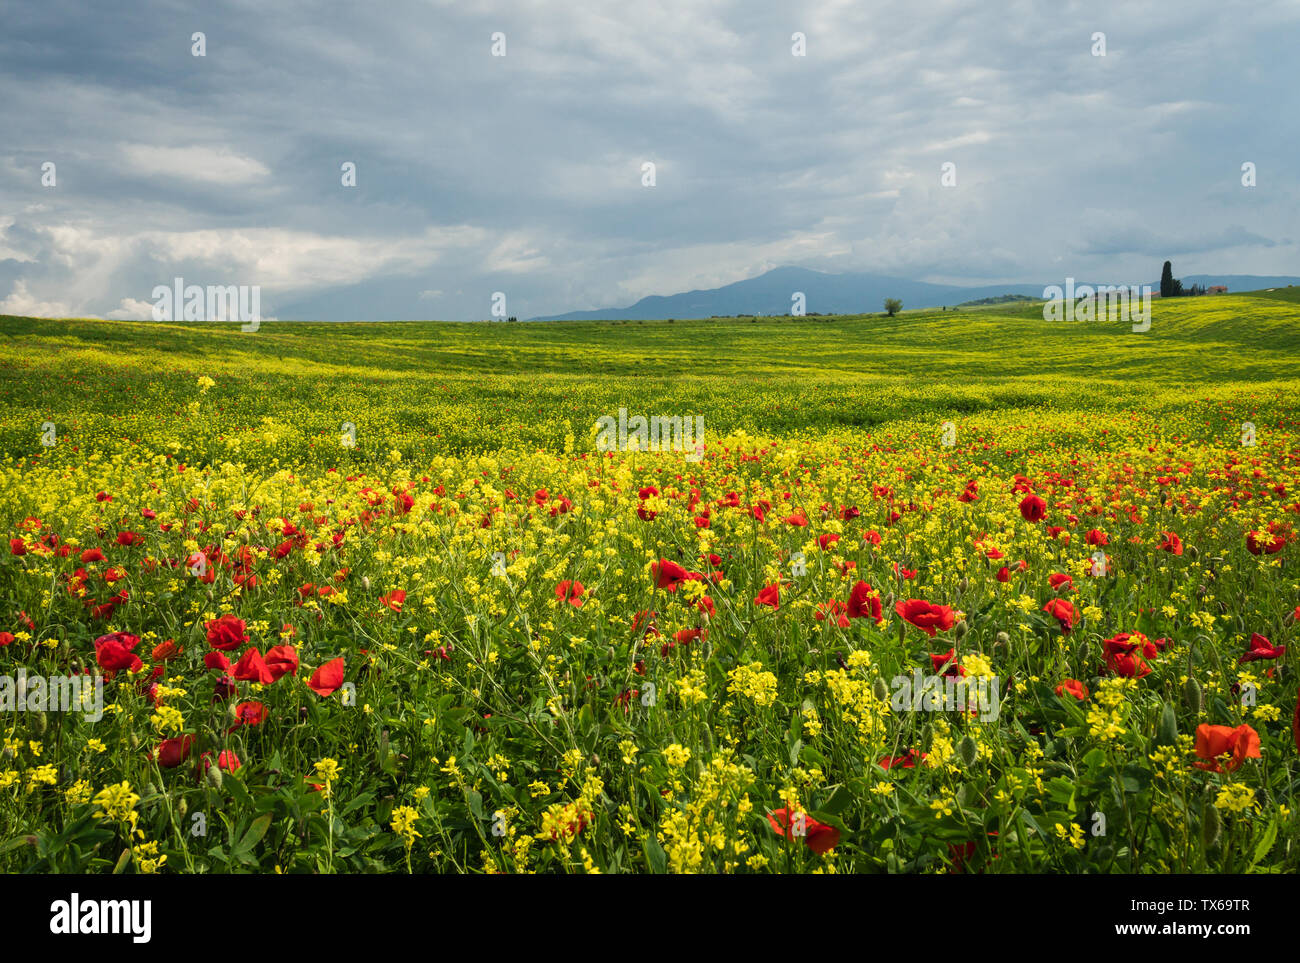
{"x": 1218, "y": 289}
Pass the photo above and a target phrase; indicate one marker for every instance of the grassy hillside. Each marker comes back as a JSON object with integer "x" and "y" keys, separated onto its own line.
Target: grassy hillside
{"x": 451, "y": 387}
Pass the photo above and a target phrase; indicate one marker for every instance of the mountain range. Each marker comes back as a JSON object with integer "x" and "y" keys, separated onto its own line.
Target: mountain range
{"x": 771, "y": 294}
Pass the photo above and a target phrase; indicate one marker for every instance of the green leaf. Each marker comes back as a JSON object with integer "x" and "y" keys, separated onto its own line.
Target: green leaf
{"x": 1265, "y": 844}
{"x": 475, "y": 799}
{"x": 839, "y": 801}
{"x": 655, "y": 855}
{"x": 253, "y": 836}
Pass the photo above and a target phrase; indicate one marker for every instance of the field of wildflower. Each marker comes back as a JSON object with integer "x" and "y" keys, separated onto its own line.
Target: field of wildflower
{"x": 371, "y": 598}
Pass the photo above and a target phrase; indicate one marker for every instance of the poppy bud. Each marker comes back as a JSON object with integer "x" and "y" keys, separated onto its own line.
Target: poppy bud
{"x": 879, "y": 689}
{"x": 1167, "y": 733}
{"x": 213, "y": 776}
{"x": 1003, "y": 639}
{"x": 40, "y": 723}
{"x": 232, "y": 714}
{"x": 1192, "y": 695}
{"x": 1211, "y": 826}
{"x": 967, "y": 751}
{"x": 134, "y": 741}
{"x": 964, "y": 584}
{"x": 365, "y": 582}
{"x": 959, "y": 629}
{"x": 182, "y": 807}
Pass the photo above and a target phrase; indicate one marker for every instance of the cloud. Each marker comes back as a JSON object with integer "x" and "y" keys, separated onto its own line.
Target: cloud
{"x": 21, "y": 302}
{"x": 208, "y": 165}
{"x": 522, "y": 173}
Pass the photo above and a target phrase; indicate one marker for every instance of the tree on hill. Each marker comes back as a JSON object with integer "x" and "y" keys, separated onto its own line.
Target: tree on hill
{"x": 1170, "y": 286}
{"x": 893, "y": 306}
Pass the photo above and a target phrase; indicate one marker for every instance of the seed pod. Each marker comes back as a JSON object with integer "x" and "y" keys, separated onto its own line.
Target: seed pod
{"x": 879, "y": 689}
{"x": 1192, "y": 695}
{"x": 967, "y": 751}
{"x": 1211, "y": 826}
{"x": 1167, "y": 733}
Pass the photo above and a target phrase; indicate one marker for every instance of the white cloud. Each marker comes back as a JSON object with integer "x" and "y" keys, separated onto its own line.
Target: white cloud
{"x": 21, "y": 302}
{"x": 220, "y": 166}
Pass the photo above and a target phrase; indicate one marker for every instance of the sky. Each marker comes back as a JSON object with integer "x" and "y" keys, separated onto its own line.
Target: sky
{"x": 523, "y": 175}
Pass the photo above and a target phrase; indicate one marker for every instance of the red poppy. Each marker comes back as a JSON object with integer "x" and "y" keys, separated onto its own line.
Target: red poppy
{"x": 1171, "y": 543}
{"x": 949, "y": 659}
{"x": 114, "y": 652}
{"x": 1268, "y": 543}
{"x": 571, "y": 592}
{"x": 836, "y": 610}
{"x": 1126, "y": 654}
{"x": 926, "y": 616}
{"x": 1261, "y": 648}
{"x": 1063, "y": 611}
{"x": 817, "y": 836}
{"x": 281, "y": 660}
{"x": 667, "y": 574}
{"x": 226, "y": 633}
{"x": 327, "y": 679}
{"x": 226, "y": 759}
{"x": 1213, "y": 742}
{"x": 249, "y": 714}
{"x": 166, "y": 650}
{"x": 172, "y": 752}
{"x": 769, "y": 595}
{"x": 1033, "y": 508}
{"x": 864, "y": 603}
{"x": 1073, "y": 687}
{"x": 393, "y": 599}
{"x": 906, "y": 761}
{"x": 1059, "y": 581}
{"x": 251, "y": 667}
